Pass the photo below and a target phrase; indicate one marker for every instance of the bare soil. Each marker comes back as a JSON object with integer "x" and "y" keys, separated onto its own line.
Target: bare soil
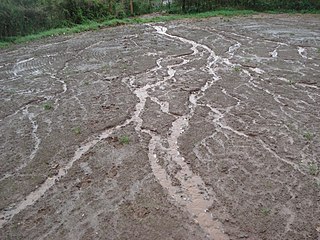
{"x": 192, "y": 129}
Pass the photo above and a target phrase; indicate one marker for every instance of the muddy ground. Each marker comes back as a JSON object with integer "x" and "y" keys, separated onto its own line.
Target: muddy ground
{"x": 193, "y": 129}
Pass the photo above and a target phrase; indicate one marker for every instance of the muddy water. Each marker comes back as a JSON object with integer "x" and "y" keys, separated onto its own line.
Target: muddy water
{"x": 256, "y": 94}
{"x": 142, "y": 94}
{"x": 82, "y": 149}
{"x": 37, "y": 194}
{"x": 191, "y": 194}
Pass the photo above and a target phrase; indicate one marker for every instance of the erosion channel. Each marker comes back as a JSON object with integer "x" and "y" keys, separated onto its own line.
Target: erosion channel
{"x": 191, "y": 129}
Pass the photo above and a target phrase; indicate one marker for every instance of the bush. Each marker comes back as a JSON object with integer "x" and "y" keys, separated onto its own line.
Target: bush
{"x": 18, "y": 20}
{"x": 79, "y": 11}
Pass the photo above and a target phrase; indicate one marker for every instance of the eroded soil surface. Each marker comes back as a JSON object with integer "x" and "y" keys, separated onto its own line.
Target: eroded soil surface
{"x": 206, "y": 129}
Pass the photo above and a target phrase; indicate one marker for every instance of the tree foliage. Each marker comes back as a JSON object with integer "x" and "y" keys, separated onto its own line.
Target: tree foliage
{"x": 21, "y": 17}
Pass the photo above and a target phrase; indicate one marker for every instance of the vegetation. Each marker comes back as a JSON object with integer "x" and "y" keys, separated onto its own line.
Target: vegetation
{"x": 258, "y": 5}
{"x": 292, "y": 82}
{"x": 47, "y": 106}
{"x": 265, "y": 211}
{"x": 29, "y": 17}
{"x": 237, "y": 69}
{"x": 124, "y": 140}
{"x": 308, "y": 136}
{"x": 92, "y": 25}
{"x": 21, "y": 17}
{"x": 313, "y": 169}
{"x": 77, "y": 130}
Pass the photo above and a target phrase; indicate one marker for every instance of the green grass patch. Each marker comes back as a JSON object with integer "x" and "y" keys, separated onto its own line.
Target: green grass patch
{"x": 124, "y": 140}
{"x": 47, "y": 106}
{"x": 292, "y": 82}
{"x": 237, "y": 68}
{"x": 314, "y": 11}
{"x": 265, "y": 211}
{"x": 313, "y": 169}
{"x": 77, "y": 130}
{"x": 4, "y": 44}
{"x": 308, "y": 136}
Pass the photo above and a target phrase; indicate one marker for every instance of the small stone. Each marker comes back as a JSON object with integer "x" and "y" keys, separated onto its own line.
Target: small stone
{"x": 243, "y": 236}
{"x": 55, "y": 166}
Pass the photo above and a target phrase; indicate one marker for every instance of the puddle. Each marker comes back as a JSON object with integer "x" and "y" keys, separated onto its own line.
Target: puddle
{"x": 302, "y": 52}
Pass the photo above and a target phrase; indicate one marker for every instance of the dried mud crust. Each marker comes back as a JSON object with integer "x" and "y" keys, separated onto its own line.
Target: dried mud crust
{"x": 204, "y": 129}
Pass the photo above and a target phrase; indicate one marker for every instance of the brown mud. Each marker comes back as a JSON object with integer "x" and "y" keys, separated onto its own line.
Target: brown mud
{"x": 193, "y": 129}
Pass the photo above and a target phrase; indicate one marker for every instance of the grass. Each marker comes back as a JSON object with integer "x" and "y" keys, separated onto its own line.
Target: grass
{"x": 4, "y": 44}
{"x": 91, "y": 25}
{"x": 77, "y": 130}
{"x": 291, "y": 82}
{"x": 308, "y": 136}
{"x": 47, "y": 106}
{"x": 293, "y": 11}
{"x": 313, "y": 169}
{"x": 237, "y": 69}
{"x": 265, "y": 211}
{"x": 124, "y": 140}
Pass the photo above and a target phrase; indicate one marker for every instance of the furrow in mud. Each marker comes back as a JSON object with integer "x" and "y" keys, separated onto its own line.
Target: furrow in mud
{"x": 190, "y": 193}
{"x": 192, "y": 129}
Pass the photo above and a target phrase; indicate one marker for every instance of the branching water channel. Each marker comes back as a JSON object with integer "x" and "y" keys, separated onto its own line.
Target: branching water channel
{"x": 193, "y": 195}
{"x": 192, "y": 186}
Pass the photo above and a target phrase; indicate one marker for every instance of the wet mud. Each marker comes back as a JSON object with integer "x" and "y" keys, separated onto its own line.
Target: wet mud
{"x": 192, "y": 129}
